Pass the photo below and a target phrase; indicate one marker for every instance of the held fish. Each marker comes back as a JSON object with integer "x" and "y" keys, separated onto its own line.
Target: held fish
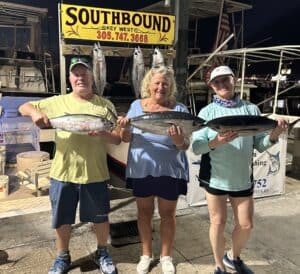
{"x": 157, "y": 58}
{"x": 82, "y": 123}
{"x": 159, "y": 122}
{"x": 138, "y": 70}
{"x": 244, "y": 125}
{"x": 99, "y": 68}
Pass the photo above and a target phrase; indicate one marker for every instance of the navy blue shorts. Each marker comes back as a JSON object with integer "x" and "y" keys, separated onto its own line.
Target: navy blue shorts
{"x": 165, "y": 187}
{"x": 236, "y": 194}
{"x": 64, "y": 197}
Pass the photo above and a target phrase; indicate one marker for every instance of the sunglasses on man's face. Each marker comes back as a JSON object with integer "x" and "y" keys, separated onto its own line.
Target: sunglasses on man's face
{"x": 75, "y": 60}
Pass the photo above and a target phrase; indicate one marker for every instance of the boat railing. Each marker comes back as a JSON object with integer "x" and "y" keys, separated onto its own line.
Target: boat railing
{"x": 27, "y": 74}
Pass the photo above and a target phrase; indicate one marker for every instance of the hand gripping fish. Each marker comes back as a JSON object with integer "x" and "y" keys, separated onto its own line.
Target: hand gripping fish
{"x": 244, "y": 125}
{"x": 99, "y": 68}
{"x": 159, "y": 122}
{"x": 85, "y": 123}
{"x": 138, "y": 70}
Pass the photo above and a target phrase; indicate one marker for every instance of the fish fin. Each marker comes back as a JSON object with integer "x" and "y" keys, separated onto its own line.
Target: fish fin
{"x": 171, "y": 124}
{"x": 67, "y": 113}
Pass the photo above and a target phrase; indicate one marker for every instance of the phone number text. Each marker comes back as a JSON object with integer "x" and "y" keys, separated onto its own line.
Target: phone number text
{"x": 122, "y": 36}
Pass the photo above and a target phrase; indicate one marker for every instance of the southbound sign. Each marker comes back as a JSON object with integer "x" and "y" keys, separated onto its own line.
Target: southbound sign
{"x": 92, "y": 23}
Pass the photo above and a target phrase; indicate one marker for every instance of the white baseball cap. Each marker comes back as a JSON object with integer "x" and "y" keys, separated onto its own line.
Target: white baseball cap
{"x": 220, "y": 71}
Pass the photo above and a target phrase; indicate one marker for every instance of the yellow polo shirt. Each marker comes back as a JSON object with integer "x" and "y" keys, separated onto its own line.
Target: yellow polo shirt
{"x": 78, "y": 158}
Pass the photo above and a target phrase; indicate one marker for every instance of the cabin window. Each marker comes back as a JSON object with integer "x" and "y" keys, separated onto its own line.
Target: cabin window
{"x": 7, "y": 37}
{"x": 17, "y": 38}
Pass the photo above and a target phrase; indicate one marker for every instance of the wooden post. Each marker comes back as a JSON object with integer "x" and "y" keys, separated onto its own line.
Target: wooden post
{"x": 62, "y": 60}
{"x": 181, "y": 9}
{"x": 296, "y": 152}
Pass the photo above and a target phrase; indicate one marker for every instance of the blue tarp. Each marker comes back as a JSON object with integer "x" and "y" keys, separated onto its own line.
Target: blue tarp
{"x": 10, "y": 105}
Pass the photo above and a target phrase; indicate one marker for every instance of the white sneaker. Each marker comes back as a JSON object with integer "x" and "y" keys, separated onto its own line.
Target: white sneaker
{"x": 144, "y": 264}
{"x": 167, "y": 265}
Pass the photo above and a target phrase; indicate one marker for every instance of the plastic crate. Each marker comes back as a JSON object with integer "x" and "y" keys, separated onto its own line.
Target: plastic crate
{"x": 18, "y": 134}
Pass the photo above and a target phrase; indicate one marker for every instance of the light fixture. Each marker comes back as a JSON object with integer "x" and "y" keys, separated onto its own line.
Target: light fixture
{"x": 286, "y": 71}
{"x": 167, "y": 3}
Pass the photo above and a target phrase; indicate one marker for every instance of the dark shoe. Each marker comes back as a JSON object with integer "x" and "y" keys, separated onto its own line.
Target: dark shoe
{"x": 104, "y": 261}
{"x": 219, "y": 271}
{"x": 238, "y": 265}
{"x": 60, "y": 266}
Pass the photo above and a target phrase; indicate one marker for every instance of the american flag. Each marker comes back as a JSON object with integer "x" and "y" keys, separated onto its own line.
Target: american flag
{"x": 222, "y": 34}
{"x": 224, "y": 29}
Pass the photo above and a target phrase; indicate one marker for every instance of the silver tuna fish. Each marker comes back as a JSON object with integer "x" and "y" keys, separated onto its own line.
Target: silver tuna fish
{"x": 157, "y": 58}
{"x": 84, "y": 123}
{"x": 99, "y": 68}
{"x": 138, "y": 70}
{"x": 159, "y": 122}
{"x": 244, "y": 125}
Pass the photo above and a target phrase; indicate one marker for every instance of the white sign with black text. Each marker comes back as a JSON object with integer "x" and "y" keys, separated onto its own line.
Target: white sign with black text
{"x": 268, "y": 171}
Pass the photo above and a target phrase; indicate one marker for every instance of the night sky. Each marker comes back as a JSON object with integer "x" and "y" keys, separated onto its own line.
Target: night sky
{"x": 273, "y": 22}
{"x": 268, "y": 23}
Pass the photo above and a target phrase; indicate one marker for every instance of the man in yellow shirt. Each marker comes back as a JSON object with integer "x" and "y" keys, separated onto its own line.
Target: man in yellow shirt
{"x": 79, "y": 170}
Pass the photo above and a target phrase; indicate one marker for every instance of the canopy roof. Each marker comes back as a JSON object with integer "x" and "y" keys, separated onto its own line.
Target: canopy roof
{"x": 254, "y": 55}
{"x": 17, "y": 14}
{"x": 201, "y": 8}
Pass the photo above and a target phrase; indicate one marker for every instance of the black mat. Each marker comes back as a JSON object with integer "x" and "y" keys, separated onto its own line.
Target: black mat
{"x": 124, "y": 233}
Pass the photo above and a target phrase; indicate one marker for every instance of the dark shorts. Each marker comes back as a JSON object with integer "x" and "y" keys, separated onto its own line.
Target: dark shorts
{"x": 93, "y": 207}
{"x": 218, "y": 192}
{"x": 165, "y": 187}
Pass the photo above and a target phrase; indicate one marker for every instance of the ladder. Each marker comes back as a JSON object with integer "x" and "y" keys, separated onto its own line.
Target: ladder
{"x": 49, "y": 74}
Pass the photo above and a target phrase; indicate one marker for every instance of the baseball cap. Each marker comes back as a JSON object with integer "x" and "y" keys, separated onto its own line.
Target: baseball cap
{"x": 220, "y": 71}
{"x": 78, "y": 60}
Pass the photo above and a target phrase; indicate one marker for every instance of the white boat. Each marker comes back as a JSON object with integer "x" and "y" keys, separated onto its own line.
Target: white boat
{"x": 272, "y": 63}
{"x": 25, "y": 67}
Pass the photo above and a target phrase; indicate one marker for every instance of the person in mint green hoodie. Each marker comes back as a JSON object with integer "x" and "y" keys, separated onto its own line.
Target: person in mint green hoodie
{"x": 226, "y": 169}
{"x": 79, "y": 170}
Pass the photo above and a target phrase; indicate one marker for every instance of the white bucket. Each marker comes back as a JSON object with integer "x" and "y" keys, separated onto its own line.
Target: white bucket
{"x": 3, "y": 186}
{"x": 26, "y": 159}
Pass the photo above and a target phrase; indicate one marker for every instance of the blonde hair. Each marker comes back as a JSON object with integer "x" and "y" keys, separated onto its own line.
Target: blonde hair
{"x": 165, "y": 71}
